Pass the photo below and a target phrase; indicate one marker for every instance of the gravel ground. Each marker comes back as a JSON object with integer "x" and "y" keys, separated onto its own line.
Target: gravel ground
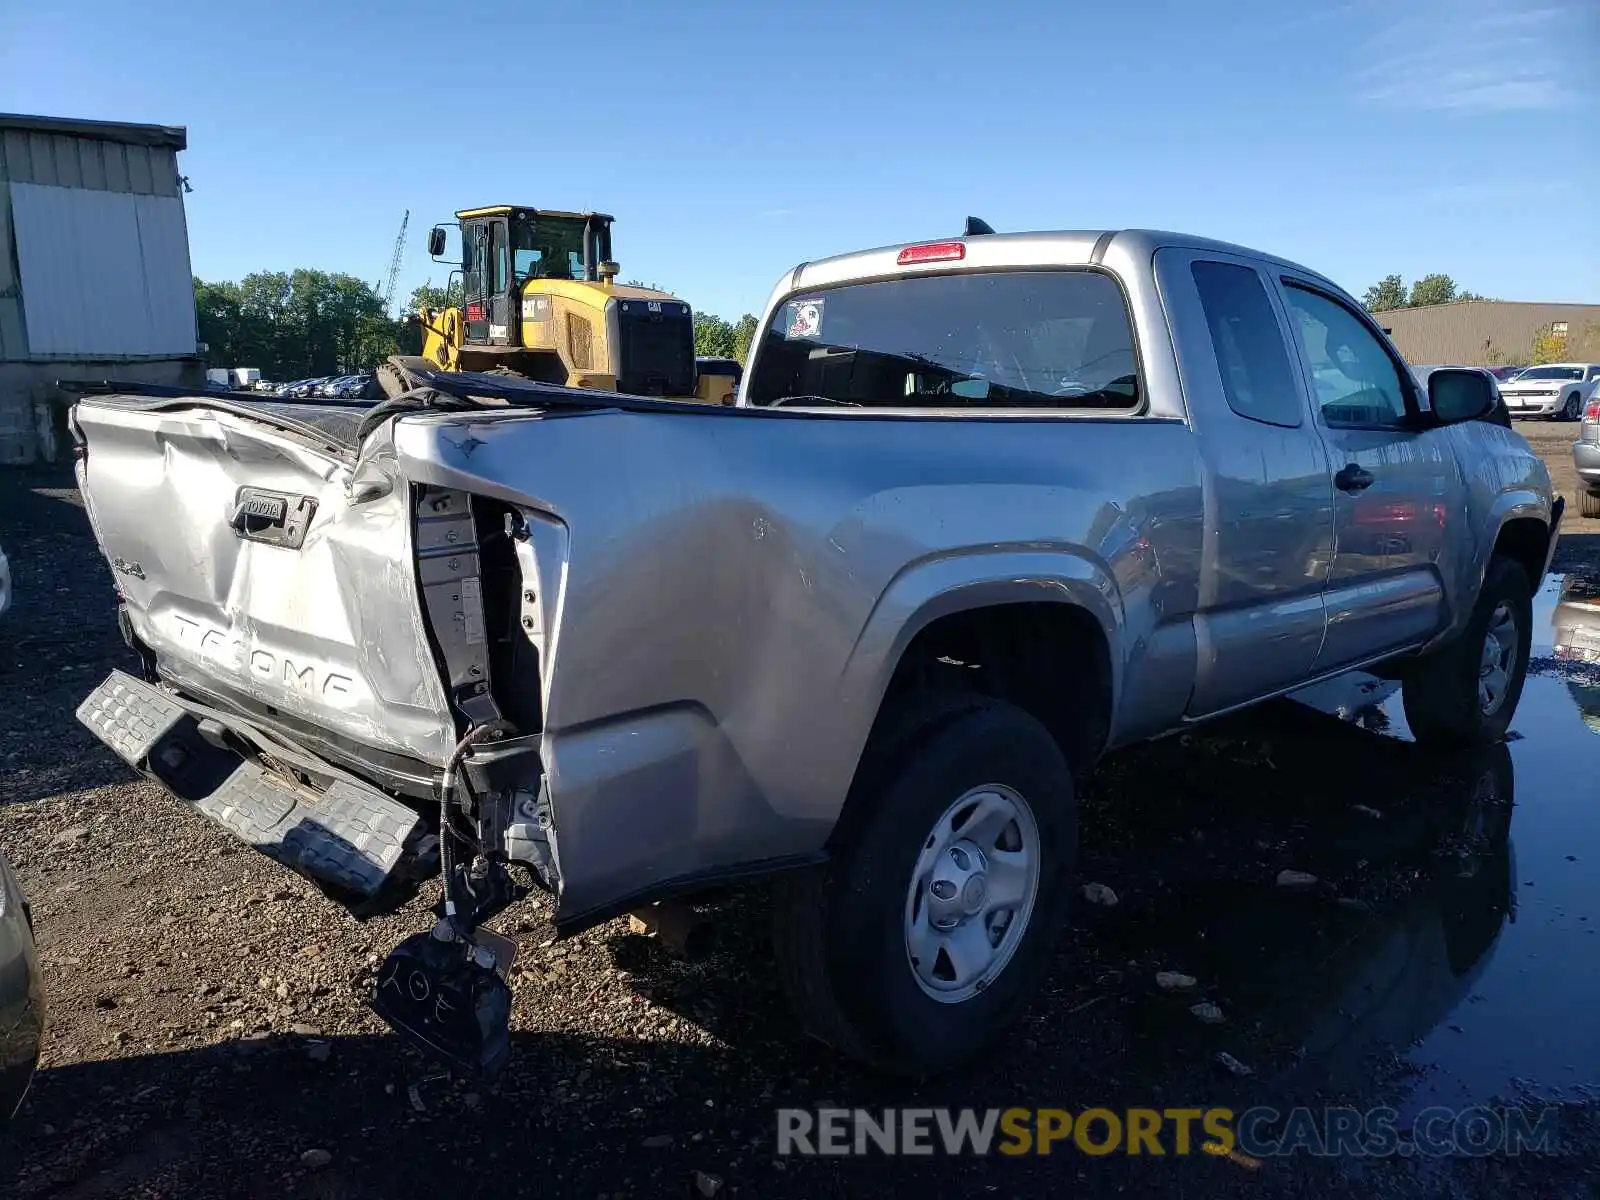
{"x": 207, "y": 1035}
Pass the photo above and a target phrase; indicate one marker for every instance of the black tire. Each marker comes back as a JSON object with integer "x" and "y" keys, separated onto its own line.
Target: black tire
{"x": 839, "y": 930}
{"x": 1572, "y": 410}
{"x": 1440, "y": 691}
{"x": 1589, "y": 504}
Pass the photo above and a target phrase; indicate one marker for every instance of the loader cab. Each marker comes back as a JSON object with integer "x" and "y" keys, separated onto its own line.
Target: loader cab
{"x": 504, "y": 247}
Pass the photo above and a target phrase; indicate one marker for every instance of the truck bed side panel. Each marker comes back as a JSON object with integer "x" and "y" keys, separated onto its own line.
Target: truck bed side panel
{"x": 713, "y": 664}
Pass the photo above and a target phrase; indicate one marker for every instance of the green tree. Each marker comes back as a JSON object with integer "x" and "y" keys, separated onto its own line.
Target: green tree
{"x": 1548, "y": 346}
{"x": 294, "y": 324}
{"x": 713, "y": 337}
{"x": 1387, "y": 293}
{"x": 217, "y": 318}
{"x": 1432, "y": 289}
{"x": 433, "y": 298}
{"x": 744, "y": 335}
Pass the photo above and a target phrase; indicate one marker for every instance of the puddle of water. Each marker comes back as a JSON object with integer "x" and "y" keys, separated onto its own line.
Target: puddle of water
{"x": 1532, "y": 1019}
{"x": 1449, "y": 952}
{"x": 1521, "y": 1017}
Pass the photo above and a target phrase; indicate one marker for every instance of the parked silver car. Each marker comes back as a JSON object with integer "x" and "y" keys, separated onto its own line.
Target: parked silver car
{"x": 21, "y": 994}
{"x": 1586, "y": 459}
{"x": 5, "y": 582}
{"x": 985, "y": 507}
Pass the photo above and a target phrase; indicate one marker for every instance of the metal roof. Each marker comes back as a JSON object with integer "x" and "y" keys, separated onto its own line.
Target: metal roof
{"x": 174, "y": 137}
{"x": 489, "y": 210}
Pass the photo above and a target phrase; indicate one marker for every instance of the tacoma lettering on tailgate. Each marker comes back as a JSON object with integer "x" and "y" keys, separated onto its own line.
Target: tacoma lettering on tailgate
{"x": 314, "y": 680}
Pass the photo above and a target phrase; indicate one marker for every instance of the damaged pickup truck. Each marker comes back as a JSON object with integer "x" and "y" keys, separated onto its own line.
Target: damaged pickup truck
{"x": 985, "y": 508}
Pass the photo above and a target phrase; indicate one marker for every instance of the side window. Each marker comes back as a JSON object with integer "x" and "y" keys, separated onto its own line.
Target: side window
{"x": 1357, "y": 385}
{"x": 472, "y": 260}
{"x": 1256, "y": 376}
{"x": 497, "y": 256}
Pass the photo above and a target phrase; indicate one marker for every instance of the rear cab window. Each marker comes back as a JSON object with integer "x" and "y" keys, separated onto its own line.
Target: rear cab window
{"x": 1045, "y": 339}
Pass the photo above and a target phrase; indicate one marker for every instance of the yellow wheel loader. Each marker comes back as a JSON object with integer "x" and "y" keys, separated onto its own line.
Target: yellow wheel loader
{"x": 540, "y": 300}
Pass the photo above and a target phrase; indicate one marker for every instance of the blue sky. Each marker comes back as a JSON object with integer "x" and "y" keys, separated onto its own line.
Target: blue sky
{"x": 734, "y": 140}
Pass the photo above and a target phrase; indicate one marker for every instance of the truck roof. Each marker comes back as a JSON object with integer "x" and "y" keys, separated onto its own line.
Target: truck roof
{"x": 495, "y": 210}
{"x": 1043, "y": 248}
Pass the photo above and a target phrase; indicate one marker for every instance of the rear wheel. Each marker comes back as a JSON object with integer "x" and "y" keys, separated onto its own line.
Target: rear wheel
{"x": 1465, "y": 692}
{"x": 923, "y": 937}
{"x": 1589, "y": 504}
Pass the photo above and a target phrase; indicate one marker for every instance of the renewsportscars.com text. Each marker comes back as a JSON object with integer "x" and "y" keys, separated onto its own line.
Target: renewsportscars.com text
{"x": 1260, "y": 1132}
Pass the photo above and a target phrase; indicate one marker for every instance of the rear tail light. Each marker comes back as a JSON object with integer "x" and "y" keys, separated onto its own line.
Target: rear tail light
{"x": 1591, "y": 411}
{"x": 933, "y": 252}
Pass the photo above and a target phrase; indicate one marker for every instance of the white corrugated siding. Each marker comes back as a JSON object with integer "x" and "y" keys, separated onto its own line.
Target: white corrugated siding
{"x": 104, "y": 274}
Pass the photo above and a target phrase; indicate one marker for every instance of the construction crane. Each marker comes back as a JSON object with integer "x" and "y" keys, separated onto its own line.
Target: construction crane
{"x": 394, "y": 262}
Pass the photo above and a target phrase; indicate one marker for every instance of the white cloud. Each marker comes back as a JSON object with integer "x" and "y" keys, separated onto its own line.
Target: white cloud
{"x": 1477, "y": 56}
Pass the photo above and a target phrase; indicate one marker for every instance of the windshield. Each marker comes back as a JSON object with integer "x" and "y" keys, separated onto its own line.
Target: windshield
{"x": 1028, "y": 339}
{"x": 547, "y": 248}
{"x": 1549, "y": 373}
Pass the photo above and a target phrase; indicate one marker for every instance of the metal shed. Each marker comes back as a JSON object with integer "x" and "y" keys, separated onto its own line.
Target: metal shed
{"x": 95, "y": 279}
{"x": 1484, "y": 333}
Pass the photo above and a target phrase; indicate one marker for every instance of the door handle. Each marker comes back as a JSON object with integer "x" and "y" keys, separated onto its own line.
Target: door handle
{"x": 1354, "y": 478}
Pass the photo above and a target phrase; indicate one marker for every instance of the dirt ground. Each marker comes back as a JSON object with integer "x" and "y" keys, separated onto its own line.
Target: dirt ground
{"x": 207, "y": 1035}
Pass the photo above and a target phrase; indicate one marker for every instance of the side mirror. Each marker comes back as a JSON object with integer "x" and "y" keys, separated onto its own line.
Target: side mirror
{"x": 435, "y": 242}
{"x": 1456, "y": 395}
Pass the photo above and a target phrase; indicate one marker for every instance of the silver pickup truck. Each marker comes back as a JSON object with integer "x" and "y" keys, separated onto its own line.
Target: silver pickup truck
{"x": 985, "y": 507}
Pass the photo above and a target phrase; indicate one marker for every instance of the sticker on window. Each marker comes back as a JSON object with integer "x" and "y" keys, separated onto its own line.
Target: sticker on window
{"x": 805, "y": 319}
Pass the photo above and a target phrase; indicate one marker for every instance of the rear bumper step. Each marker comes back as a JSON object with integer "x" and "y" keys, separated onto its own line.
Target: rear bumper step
{"x": 350, "y": 836}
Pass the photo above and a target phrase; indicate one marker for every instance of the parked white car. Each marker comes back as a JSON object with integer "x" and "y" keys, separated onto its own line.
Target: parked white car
{"x": 1553, "y": 390}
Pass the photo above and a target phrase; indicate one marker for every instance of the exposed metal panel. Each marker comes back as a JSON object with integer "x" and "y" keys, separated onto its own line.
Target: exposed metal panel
{"x": 170, "y": 137}
{"x": 13, "y": 341}
{"x": 103, "y": 274}
{"x": 63, "y": 161}
{"x": 44, "y": 162}
{"x": 141, "y": 177}
{"x": 68, "y": 172}
{"x": 8, "y": 275}
{"x": 169, "y": 282}
{"x": 116, "y": 159}
{"x": 13, "y": 345}
{"x": 92, "y": 157}
{"x": 16, "y": 165}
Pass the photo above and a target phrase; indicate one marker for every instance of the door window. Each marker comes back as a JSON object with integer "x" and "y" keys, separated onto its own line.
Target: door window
{"x": 498, "y": 255}
{"x": 472, "y": 259}
{"x": 1251, "y": 356}
{"x": 1356, "y": 383}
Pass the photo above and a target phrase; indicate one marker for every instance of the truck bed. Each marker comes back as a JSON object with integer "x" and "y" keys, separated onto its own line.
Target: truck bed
{"x": 337, "y": 424}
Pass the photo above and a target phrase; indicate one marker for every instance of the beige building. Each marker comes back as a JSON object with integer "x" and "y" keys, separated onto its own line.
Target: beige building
{"x": 94, "y": 268}
{"x": 1486, "y": 332}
